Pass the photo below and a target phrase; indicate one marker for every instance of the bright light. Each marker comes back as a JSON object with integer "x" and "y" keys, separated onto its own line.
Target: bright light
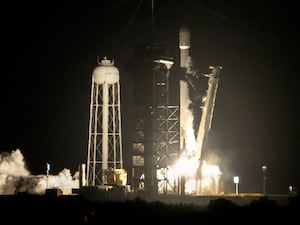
{"x": 197, "y": 178}
{"x": 186, "y": 166}
{"x": 190, "y": 186}
{"x": 210, "y": 178}
{"x": 167, "y": 63}
{"x": 236, "y": 179}
{"x": 163, "y": 61}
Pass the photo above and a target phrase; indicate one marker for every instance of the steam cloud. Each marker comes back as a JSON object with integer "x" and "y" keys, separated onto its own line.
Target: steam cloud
{"x": 14, "y": 177}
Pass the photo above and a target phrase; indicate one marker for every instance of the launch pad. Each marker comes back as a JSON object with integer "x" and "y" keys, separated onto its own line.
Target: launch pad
{"x": 169, "y": 153}
{"x": 170, "y": 150}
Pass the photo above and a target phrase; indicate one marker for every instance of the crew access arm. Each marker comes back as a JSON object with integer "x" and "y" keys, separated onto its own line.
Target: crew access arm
{"x": 207, "y": 110}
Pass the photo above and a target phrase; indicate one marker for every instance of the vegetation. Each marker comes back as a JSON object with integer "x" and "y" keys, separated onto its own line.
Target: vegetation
{"x": 74, "y": 209}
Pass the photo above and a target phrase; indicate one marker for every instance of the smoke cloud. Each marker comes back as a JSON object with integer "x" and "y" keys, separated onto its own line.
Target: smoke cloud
{"x": 15, "y": 178}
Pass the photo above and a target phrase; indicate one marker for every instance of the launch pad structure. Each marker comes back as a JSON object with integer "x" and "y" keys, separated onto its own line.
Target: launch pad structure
{"x": 168, "y": 155}
{"x": 164, "y": 140}
{"x": 169, "y": 147}
{"x": 166, "y": 146}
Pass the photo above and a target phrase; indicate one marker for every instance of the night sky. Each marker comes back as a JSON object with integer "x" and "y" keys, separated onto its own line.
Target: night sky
{"x": 49, "y": 50}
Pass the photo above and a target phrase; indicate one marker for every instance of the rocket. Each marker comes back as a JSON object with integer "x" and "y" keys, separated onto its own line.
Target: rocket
{"x": 184, "y": 45}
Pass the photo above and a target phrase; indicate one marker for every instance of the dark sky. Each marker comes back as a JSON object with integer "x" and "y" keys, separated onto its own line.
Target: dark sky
{"x": 49, "y": 50}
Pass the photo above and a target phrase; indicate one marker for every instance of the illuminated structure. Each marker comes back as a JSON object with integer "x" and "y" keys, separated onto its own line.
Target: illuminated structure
{"x": 206, "y": 120}
{"x": 165, "y": 127}
{"x": 138, "y": 155}
{"x": 202, "y": 177}
{"x": 156, "y": 145}
{"x": 104, "y": 158}
{"x": 168, "y": 152}
{"x": 264, "y": 169}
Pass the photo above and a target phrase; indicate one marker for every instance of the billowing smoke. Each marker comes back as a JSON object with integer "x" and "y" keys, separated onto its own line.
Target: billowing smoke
{"x": 188, "y": 164}
{"x": 15, "y": 178}
{"x": 187, "y": 119}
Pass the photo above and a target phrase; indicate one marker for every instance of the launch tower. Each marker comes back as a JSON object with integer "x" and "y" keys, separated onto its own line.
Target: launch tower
{"x": 165, "y": 127}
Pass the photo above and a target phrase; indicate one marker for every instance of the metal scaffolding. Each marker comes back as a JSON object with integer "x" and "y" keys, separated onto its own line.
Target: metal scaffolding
{"x": 105, "y": 160}
{"x": 165, "y": 127}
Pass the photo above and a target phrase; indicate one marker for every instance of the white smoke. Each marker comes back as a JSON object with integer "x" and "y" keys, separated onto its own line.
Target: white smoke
{"x": 187, "y": 119}
{"x": 14, "y": 177}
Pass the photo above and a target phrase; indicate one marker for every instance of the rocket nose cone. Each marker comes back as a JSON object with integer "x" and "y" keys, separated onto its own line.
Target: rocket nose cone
{"x": 184, "y": 29}
{"x": 184, "y": 37}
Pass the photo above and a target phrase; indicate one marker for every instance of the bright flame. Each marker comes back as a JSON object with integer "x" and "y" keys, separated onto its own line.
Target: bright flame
{"x": 210, "y": 178}
{"x": 188, "y": 164}
{"x": 187, "y": 167}
{"x": 190, "y": 185}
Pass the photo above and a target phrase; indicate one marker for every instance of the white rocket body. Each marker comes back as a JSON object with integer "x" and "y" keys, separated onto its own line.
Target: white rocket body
{"x": 184, "y": 45}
